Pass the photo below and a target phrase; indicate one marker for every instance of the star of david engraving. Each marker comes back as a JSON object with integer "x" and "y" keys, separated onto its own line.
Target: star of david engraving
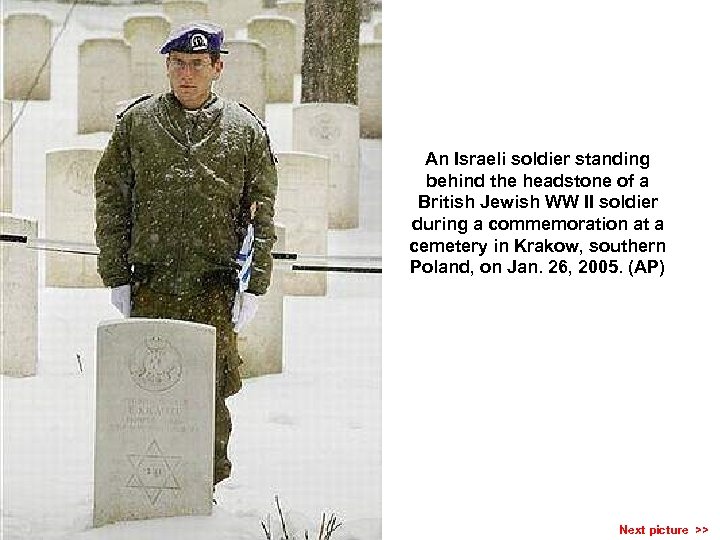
{"x": 153, "y": 472}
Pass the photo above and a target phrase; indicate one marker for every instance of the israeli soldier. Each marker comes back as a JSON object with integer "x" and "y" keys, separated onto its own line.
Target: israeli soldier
{"x": 185, "y": 195}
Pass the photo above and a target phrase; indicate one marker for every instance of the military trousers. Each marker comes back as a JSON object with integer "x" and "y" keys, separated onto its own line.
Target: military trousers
{"x": 211, "y": 306}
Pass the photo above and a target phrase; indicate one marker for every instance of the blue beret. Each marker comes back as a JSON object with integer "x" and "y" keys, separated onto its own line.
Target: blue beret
{"x": 195, "y": 38}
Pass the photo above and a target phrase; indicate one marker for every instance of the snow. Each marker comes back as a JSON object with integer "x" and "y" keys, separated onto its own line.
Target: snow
{"x": 310, "y": 435}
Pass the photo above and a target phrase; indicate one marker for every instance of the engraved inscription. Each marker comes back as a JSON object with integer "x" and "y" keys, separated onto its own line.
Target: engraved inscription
{"x": 325, "y": 129}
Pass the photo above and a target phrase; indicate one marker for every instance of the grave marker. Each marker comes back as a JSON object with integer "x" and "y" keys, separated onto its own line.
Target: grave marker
{"x": 278, "y": 36}
{"x": 243, "y": 77}
{"x": 70, "y": 215}
{"x": 99, "y": 87}
{"x": 146, "y": 35}
{"x": 26, "y": 42}
{"x": 332, "y": 130}
{"x": 302, "y": 207}
{"x": 184, "y": 11}
{"x": 19, "y": 286}
{"x": 155, "y": 417}
{"x": 370, "y": 89}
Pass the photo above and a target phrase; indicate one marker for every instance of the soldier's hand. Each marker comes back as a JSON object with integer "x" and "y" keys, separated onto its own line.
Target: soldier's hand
{"x": 244, "y": 309}
{"x": 120, "y": 298}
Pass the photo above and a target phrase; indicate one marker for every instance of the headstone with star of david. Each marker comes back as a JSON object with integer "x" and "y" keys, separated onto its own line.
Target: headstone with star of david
{"x": 155, "y": 415}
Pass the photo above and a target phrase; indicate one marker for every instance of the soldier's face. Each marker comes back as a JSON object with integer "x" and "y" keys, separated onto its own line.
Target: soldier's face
{"x": 191, "y": 77}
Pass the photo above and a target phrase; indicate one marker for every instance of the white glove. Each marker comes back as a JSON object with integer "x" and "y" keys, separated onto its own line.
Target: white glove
{"x": 244, "y": 309}
{"x": 120, "y": 298}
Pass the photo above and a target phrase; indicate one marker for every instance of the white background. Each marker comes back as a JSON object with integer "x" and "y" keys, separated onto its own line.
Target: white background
{"x": 550, "y": 407}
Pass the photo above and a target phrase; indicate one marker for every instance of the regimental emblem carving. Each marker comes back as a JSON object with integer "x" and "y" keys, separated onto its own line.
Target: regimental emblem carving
{"x": 325, "y": 129}
{"x": 156, "y": 365}
{"x": 154, "y": 472}
{"x": 78, "y": 181}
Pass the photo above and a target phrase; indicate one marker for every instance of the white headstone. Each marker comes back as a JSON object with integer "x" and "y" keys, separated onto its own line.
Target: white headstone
{"x": 260, "y": 343}
{"x": 370, "y": 89}
{"x": 302, "y": 207}
{"x": 377, "y": 31}
{"x": 233, "y": 14}
{"x": 278, "y": 36}
{"x": 100, "y": 88}
{"x": 184, "y": 11}
{"x": 155, "y": 418}
{"x": 332, "y": 130}
{"x": 19, "y": 289}
{"x": 70, "y": 215}
{"x": 243, "y": 77}
{"x": 146, "y": 35}
{"x": 26, "y": 42}
{"x": 295, "y": 10}
{"x": 6, "y": 158}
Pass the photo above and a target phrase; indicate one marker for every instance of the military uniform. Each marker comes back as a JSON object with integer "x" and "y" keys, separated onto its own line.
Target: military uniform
{"x": 174, "y": 189}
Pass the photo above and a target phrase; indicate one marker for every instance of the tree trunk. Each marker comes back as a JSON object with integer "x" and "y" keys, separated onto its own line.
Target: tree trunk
{"x": 330, "y": 57}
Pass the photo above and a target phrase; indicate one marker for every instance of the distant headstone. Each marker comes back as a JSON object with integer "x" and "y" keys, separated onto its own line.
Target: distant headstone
{"x": 26, "y": 42}
{"x": 260, "y": 343}
{"x": 370, "y": 89}
{"x": 365, "y": 10}
{"x": 278, "y": 36}
{"x": 154, "y": 432}
{"x": 146, "y": 35}
{"x": 243, "y": 77}
{"x": 332, "y": 130}
{"x": 184, "y": 11}
{"x": 100, "y": 88}
{"x": 302, "y": 207}
{"x": 233, "y": 14}
{"x": 70, "y": 215}
{"x": 295, "y": 10}
{"x": 19, "y": 290}
{"x": 6, "y": 158}
{"x": 377, "y": 31}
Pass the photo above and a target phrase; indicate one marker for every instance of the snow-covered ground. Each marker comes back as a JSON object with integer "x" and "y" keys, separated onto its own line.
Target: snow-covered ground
{"x": 310, "y": 435}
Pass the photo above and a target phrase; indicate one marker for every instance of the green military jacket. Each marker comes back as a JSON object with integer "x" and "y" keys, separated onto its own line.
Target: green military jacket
{"x": 173, "y": 194}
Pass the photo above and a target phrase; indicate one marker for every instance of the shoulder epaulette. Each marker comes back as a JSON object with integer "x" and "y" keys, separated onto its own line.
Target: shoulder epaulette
{"x": 134, "y": 102}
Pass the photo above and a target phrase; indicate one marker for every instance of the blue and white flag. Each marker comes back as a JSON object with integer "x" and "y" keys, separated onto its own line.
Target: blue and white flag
{"x": 244, "y": 257}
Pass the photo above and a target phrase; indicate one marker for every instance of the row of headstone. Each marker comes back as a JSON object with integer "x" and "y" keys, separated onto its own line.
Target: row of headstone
{"x": 26, "y": 56}
{"x": 6, "y": 157}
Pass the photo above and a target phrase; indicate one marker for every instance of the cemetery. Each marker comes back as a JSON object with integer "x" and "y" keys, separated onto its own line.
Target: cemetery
{"x": 108, "y": 423}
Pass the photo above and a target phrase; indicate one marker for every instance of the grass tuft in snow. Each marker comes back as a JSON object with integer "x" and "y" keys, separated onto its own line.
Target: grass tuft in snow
{"x": 327, "y": 527}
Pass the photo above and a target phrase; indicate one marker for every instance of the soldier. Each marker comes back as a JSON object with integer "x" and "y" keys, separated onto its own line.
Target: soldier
{"x": 183, "y": 176}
